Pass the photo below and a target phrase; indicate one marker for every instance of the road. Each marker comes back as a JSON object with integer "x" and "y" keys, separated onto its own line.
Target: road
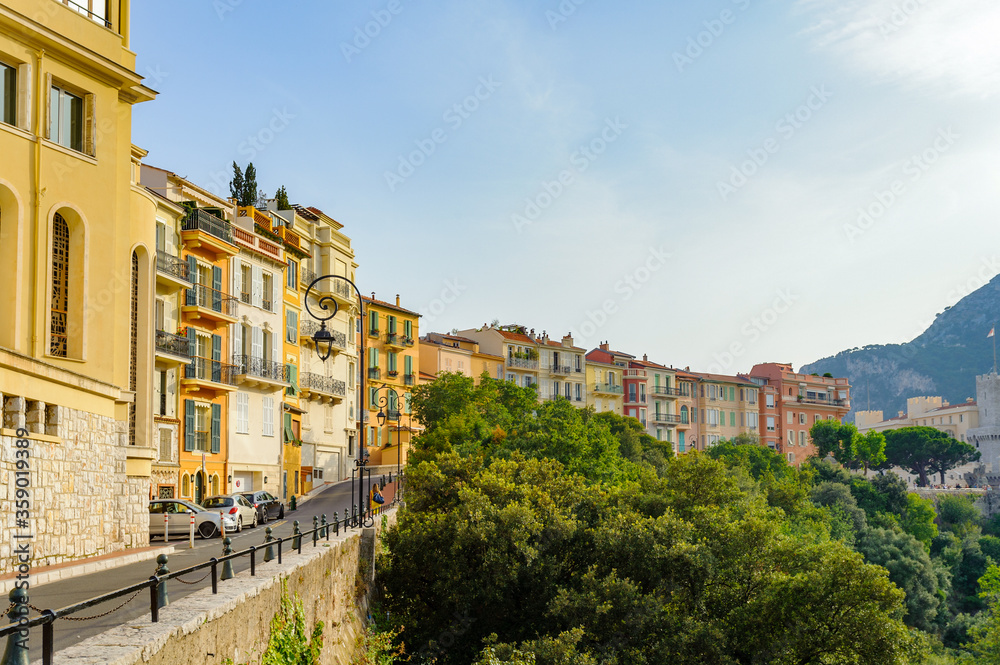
{"x": 63, "y": 593}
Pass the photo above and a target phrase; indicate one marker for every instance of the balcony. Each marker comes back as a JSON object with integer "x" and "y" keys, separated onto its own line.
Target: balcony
{"x": 666, "y": 418}
{"x": 560, "y": 370}
{"x": 171, "y": 272}
{"x": 394, "y": 340}
{"x": 407, "y": 341}
{"x": 608, "y": 388}
{"x": 522, "y": 363}
{"x": 260, "y": 373}
{"x": 291, "y": 241}
{"x": 206, "y": 231}
{"x": 202, "y": 302}
{"x": 669, "y": 392}
{"x": 373, "y": 332}
{"x": 322, "y": 388}
{"x": 374, "y": 373}
{"x": 409, "y": 379}
{"x": 306, "y": 276}
{"x": 198, "y": 442}
{"x": 824, "y": 401}
{"x": 204, "y": 374}
{"x": 308, "y": 328}
{"x": 257, "y": 244}
{"x": 340, "y": 290}
{"x": 172, "y": 350}
{"x": 97, "y": 17}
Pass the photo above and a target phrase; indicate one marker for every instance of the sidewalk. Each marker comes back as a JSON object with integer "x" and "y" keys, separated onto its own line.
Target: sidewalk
{"x": 61, "y": 571}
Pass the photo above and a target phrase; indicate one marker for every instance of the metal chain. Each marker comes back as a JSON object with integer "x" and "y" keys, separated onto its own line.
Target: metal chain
{"x": 9, "y": 608}
{"x": 196, "y": 581}
{"x": 96, "y": 616}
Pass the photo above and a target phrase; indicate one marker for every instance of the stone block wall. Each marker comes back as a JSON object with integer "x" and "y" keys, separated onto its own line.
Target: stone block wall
{"x": 83, "y": 503}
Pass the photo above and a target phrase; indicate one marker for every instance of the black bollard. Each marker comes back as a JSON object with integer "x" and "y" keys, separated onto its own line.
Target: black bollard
{"x": 336, "y": 523}
{"x": 227, "y": 565}
{"x": 325, "y": 530}
{"x": 269, "y": 552}
{"x": 16, "y": 652}
{"x": 315, "y": 530}
{"x": 162, "y": 599}
{"x": 297, "y": 538}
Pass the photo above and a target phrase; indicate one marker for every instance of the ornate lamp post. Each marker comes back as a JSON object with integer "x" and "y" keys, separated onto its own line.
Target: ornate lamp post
{"x": 383, "y": 401}
{"x": 324, "y": 347}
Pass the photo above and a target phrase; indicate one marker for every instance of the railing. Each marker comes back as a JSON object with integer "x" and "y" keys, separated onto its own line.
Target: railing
{"x": 307, "y": 276}
{"x": 171, "y": 265}
{"x": 822, "y": 401}
{"x": 522, "y": 363}
{"x": 373, "y": 332}
{"x": 322, "y": 384}
{"x": 163, "y": 405}
{"x": 261, "y": 368}
{"x": 608, "y": 388}
{"x": 173, "y": 344}
{"x": 407, "y": 341}
{"x": 663, "y": 390}
{"x": 210, "y": 370}
{"x": 559, "y": 369}
{"x": 374, "y": 373}
{"x": 80, "y": 9}
{"x": 199, "y": 220}
{"x": 246, "y": 298}
{"x": 257, "y": 216}
{"x": 200, "y": 441}
{"x": 256, "y": 243}
{"x": 209, "y": 298}
{"x": 666, "y": 418}
{"x": 409, "y": 379}
{"x": 309, "y": 328}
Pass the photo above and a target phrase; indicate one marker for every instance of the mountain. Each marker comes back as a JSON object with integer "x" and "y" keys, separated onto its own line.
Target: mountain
{"x": 944, "y": 360}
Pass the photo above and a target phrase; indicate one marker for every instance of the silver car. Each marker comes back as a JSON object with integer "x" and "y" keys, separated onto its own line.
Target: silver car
{"x": 176, "y": 513}
{"x": 236, "y": 510}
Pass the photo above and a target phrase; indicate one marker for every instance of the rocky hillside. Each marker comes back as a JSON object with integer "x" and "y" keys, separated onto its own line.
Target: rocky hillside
{"x": 944, "y": 360}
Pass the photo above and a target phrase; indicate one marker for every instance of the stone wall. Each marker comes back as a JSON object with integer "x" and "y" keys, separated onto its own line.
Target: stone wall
{"x": 234, "y": 625}
{"x": 83, "y": 503}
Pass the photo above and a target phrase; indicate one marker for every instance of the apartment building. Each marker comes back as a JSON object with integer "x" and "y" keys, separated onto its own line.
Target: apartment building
{"x": 605, "y": 379}
{"x": 516, "y": 345}
{"x": 687, "y": 409}
{"x": 441, "y": 352}
{"x": 657, "y": 393}
{"x": 800, "y": 400}
{"x": 727, "y": 406}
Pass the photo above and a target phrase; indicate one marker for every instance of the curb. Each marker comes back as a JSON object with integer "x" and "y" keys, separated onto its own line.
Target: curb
{"x": 46, "y": 574}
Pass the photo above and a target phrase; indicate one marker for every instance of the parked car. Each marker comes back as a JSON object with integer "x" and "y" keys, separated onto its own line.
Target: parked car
{"x": 268, "y": 506}
{"x": 178, "y": 514}
{"x": 236, "y": 510}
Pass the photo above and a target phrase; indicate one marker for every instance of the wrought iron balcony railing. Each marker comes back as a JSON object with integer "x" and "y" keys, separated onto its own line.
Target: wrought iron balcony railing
{"x": 608, "y": 388}
{"x": 206, "y": 369}
{"x": 409, "y": 379}
{"x": 374, "y": 373}
{"x": 260, "y": 367}
{"x": 203, "y": 296}
{"x": 663, "y": 390}
{"x": 522, "y": 363}
{"x": 171, "y": 265}
{"x": 200, "y": 220}
{"x": 559, "y": 369}
{"x": 666, "y": 418}
{"x": 173, "y": 344}
{"x": 322, "y": 384}
{"x": 309, "y": 328}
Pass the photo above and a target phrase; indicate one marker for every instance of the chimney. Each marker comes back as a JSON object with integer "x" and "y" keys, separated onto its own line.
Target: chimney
{"x": 567, "y": 339}
{"x": 532, "y": 334}
{"x": 397, "y": 300}
{"x": 604, "y": 346}
{"x": 902, "y": 413}
{"x": 645, "y": 358}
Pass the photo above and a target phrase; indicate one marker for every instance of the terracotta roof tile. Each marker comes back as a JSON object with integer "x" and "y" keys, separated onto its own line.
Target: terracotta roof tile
{"x": 382, "y": 303}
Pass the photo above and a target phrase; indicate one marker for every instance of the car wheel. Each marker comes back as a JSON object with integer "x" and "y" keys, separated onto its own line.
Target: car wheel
{"x": 263, "y": 517}
{"x": 207, "y": 530}
{"x": 239, "y": 524}
{"x": 254, "y": 525}
{"x": 281, "y": 513}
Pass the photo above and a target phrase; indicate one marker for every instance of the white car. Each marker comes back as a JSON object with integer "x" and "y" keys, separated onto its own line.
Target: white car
{"x": 176, "y": 513}
{"x": 236, "y": 510}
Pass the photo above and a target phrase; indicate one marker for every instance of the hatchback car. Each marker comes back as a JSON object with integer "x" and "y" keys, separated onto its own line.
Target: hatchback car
{"x": 269, "y": 507}
{"x": 176, "y": 514}
{"x": 236, "y": 510}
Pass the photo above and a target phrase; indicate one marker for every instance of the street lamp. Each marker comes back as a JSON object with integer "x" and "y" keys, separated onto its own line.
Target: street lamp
{"x": 324, "y": 347}
{"x": 383, "y": 401}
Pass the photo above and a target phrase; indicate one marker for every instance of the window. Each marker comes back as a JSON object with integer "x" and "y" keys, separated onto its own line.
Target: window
{"x": 390, "y": 324}
{"x": 790, "y": 418}
{"x": 59, "y": 303}
{"x": 66, "y": 119}
{"x": 802, "y": 438}
{"x": 292, "y": 275}
{"x": 246, "y": 282}
{"x": 268, "y": 415}
{"x": 291, "y": 326}
{"x": 8, "y": 94}
{"x": 512, "y": 377}
{"x": 577, "y": 392}
{"x": 769, "y": 401}
{"x": 373, "y": 323}
{"x": 165, "y": 447}
{"x": 267, "y": 291}
{"x": 802, "y": 419}
{"x": 408, "y": 329}
{"x": 791, "y": 438}
{"x": 770, "y": 423}
{"x": 732, "y": 419}
{"x": 242, "y": 413}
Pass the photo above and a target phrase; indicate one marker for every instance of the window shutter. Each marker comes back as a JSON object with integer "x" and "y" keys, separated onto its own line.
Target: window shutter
{"x": 237, "y": 278}
{"x": 192, "y": 293}
{"x": 24, "y": 90}
{"x": 257, "y": 294}
{"x": 408, "y": 364}
{"x": 188, "y": 425}
{"x": 216, "y": 348}
{"x": 192, "y": 351}
{"x": 216, "y": 428}
{"x": 217, "y": 285}
{"x": 237, "y": 340}
{"x": 89, "y": 125}
{"x": 257, "y": 343}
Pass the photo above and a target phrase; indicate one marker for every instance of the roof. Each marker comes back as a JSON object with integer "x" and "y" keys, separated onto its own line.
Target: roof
{"x": 515, "y": 337}
{"x": 559, "y": 345}
{"x": 382, "y": 303}
{"x": 647, "y": 363}
{"x": 722, "y": 378}
{"x": 427, "y": 376}
{"x": 457, "y": 338}
{"x": 952, "y": 406}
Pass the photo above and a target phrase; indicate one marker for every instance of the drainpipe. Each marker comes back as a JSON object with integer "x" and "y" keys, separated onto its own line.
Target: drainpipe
{"x": 36, "y": 230}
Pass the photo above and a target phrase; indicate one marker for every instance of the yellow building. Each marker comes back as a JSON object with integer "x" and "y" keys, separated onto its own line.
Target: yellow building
{"x": 605, "y": 372}
{"x": 955, "y": 420}
{"x": 77, "y": 260}
{"x": 391, "y": 367}
{"x": 440, "y": 352}
{"x": 727, "y": 406}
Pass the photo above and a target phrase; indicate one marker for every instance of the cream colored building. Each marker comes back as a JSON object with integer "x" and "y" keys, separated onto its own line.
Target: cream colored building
{"x": 78, "y": 264}
{"x": 441, "y": 352}
{"x": 953, "y": 419}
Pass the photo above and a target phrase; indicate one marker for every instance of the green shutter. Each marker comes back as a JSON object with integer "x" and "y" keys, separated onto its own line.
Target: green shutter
{"x": 732, "y": 419}
{"x": 217, "y": 285}
{"x": 288, "y": 428}
{"x": 407, "y": 403}
{"x": 192, "y": 294}
{"x": 293, "y": 380}
{"x": 191, "y": 370}
{"x": 188, "y": 425}
{"x": 216, "y": 428}
{"x": 408, "y": 329}
{"x": 408, "y": 363}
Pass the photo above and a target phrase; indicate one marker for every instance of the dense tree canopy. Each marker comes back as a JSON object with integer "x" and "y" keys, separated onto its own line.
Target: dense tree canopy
{"x": 924, "y": 450}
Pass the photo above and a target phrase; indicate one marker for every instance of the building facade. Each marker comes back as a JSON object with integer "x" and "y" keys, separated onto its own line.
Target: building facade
{"x": 953, "y": 419}
{"x": 77, "y": 254}
{"x": 441, "y": 352}
{"x": 727, "y": 407}
{"x": 605, "y": 376}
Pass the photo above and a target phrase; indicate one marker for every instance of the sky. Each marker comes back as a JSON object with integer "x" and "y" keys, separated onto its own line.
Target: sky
{"x": 714, "y": 184}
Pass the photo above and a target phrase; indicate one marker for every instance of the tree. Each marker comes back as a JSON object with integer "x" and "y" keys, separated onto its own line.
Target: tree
{"x": 281, "y": 199}
{"x": 756, "y": 459}
{"x": 919, "y": 519}
{"x": 249, "y": 195}
{"x": 870, "y": 449}
{"x": 916, "y": 449}
{"x": 986, "y": 634}
{"x": 958, "y": 513}
{"x": 833, "y": 438}
{"x": 237, "y": 184}
{"x": 952, "y": 453}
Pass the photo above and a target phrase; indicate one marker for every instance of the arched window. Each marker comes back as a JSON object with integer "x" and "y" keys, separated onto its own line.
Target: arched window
{"x": 60, "y": 287}
{"x": 186, "y": 485}
{"x": 133, "y": 345}
{"x": 215, "y": 484}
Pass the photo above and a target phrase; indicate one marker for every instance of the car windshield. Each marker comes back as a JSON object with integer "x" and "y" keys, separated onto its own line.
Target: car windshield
{"x": 248, "y": 497}
{"x": 218, "y": 502}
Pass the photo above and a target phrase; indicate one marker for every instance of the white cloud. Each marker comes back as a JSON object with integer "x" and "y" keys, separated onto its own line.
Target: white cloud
{"x": 948, "y": 47}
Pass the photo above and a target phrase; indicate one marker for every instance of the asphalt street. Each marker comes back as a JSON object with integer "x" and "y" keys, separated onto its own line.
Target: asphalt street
{"x": 63, "y": 593}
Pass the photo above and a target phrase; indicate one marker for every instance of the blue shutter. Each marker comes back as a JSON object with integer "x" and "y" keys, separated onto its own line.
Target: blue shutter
{"x": 216, "y": 428}
{"x": 192, "y": 294}
{"x": 191, "y": 370}
{"x": 216, "y": 358}
{"x": 217, "y": 285}
{"x": 188, "y": 425}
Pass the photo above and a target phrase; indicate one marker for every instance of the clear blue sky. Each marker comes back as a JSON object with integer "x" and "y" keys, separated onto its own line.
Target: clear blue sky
{"x": 675, "y": 177}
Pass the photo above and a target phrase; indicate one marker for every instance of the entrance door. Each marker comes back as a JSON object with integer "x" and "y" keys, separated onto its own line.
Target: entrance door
{"x": 199, "y": 487}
